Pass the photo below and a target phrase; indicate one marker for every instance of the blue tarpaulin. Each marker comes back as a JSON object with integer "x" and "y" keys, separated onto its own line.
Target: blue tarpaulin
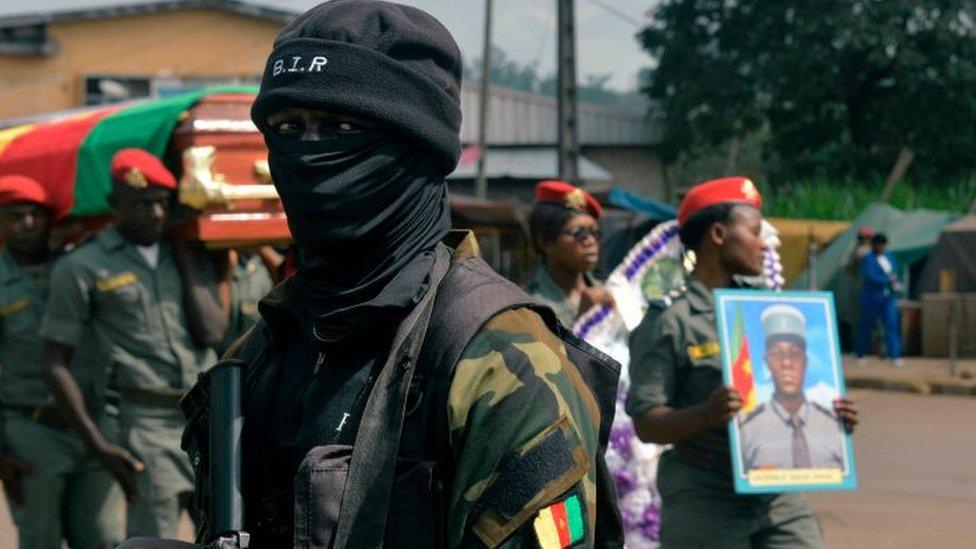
{"x": 628, "y": 200}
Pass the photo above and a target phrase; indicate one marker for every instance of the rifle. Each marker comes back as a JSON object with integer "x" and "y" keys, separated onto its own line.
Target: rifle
{"x": 226, "y": 508}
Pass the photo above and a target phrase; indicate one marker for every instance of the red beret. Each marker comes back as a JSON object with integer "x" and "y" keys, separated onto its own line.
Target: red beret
{"x": 138, "y": 168}
{"x": 17, "y": 189}
{"x": 569, "y": 196}
{"x": 718, "y": 191}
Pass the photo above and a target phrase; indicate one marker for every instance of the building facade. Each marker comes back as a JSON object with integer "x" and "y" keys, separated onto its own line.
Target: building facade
{"x": 53, "y": 59}
{"x": 57, "y": 61}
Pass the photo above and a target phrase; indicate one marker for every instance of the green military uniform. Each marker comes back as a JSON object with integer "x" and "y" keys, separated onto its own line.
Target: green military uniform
{"x": 140, "y": 327}
{"x": 676, "y": 362}
{"x": 545, "y": 288}
{"x": 69, "y": 495}
{"x": 250, "y": 283}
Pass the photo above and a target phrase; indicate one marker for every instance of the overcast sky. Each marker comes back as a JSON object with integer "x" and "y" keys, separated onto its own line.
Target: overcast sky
{"x": 525, "y": 29}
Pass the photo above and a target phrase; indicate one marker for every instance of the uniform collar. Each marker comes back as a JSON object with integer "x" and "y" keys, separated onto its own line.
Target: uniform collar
{"x": 111, "y": 239}
{"x": 802, "y": 414}
{"x": 699, "y": 298}
{"x": 10, "y": 271}
{"x": 548, "y": 286}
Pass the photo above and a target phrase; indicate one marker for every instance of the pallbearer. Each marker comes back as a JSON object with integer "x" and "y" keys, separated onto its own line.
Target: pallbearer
{"x": 56, "y": 489}
{"x": 156, "y": 315}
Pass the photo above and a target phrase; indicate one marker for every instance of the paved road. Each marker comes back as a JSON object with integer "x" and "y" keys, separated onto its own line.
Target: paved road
{"x": 916, "y": 461}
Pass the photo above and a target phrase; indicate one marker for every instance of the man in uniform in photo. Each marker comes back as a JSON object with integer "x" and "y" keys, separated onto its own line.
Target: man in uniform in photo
{"x": 790, "y": 431}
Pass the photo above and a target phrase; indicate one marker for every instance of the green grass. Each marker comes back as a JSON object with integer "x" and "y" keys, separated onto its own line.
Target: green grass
{"x": 828, "y": 199}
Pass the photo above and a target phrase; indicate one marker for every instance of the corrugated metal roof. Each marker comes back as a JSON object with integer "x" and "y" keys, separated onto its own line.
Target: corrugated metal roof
{"x": 522, "y": 118}
{"x": 517, "y": 118}
{"x": 534, "y": 163}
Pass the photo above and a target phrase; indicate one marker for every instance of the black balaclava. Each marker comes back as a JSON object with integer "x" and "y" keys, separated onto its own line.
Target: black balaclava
{"x": 365, "y": 211}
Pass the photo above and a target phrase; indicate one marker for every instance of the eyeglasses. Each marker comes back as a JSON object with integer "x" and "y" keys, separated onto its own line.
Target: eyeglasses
{"x": 794, "y": 356}
{"x": 580, "y": 234}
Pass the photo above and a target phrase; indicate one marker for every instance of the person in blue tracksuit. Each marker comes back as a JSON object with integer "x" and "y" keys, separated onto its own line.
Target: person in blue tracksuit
{"x": 879, "y": 295}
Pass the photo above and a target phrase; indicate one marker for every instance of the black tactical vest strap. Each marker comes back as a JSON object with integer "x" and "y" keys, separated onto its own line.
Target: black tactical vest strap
{"x": 362, "y": 517}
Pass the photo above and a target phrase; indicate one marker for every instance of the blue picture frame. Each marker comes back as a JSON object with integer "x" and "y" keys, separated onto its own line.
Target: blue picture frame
{"x": 764, "y": 430}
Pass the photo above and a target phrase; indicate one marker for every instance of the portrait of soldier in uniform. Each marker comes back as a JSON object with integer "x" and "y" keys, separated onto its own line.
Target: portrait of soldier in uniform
{"x": 790, "y": 430}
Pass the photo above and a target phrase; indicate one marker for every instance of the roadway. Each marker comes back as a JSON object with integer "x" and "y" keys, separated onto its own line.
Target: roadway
{"x": 916, "y": 463}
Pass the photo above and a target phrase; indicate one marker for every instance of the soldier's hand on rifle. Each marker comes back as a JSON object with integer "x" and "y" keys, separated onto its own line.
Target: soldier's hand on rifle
{"x": 12, "y": 471}
{"x": 123, "y": 465}
{"x": 722, "y": 405}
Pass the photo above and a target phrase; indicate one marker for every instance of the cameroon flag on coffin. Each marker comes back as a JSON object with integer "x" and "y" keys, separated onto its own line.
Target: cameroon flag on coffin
{"x": 70, "y": 156}
{"x": 742, "y": 379}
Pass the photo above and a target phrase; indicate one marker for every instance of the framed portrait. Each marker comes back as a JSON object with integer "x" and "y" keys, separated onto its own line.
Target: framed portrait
{"x": 781, "y": 352}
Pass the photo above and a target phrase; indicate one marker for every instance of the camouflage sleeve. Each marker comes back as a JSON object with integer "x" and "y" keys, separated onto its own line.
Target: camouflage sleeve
{"x": 524, "y": 432}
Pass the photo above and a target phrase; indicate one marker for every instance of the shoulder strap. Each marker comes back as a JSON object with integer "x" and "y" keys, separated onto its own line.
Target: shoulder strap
{"x": 365, "y": 503}
{"x": 471, "y": 294}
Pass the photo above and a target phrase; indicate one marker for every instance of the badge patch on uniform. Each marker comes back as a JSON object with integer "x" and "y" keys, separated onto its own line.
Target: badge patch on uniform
{"x": 115, "y": 282}
{"x": 13, "y": 307}
{"x": 561, "y": 524}
{"x": 705, "y": 350}
{"x": 549, "y": 465}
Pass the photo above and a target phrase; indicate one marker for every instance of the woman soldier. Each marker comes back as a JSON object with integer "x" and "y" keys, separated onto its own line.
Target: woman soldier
{"x": 677, "y": 395}
{"x": 565, "y": 232}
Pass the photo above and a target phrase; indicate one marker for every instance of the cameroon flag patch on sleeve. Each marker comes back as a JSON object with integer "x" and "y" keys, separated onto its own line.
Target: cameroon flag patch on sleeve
{"x": 561, "y": 524}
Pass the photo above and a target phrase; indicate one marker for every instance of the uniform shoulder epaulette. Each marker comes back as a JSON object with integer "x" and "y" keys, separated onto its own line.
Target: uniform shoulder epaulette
{"x": 68, "y": 249}
{"x": 663, "y": 302}
{"x": 85, "y": 240}
{"x": 755, "y": 412}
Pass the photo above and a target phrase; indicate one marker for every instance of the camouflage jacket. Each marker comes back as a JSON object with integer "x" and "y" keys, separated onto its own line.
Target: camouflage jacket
{"x": 511, "y": 433}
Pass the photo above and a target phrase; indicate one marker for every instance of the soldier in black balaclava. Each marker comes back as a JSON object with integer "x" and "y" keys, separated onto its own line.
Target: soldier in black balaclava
{"x": 398, "y": 392}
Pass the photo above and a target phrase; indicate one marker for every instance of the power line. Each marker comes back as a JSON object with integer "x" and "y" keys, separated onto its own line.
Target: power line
{"x": 616, "y": 12}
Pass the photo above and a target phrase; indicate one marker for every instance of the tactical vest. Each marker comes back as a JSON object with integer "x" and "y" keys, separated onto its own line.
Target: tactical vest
{"x": 412, "y": 507}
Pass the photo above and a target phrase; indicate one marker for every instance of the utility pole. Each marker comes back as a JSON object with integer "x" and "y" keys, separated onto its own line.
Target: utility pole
{"x": 567, "y": 134}
{"x": 481, "y": 182}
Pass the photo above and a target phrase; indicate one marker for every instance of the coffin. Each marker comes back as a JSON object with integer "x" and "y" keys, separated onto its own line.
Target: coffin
{"x": 205, "y": 137}
{"x": 225, "y": 180}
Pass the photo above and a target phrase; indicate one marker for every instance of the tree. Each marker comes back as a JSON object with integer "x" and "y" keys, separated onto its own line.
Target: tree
{"x": 841, "y": 85}
{"x": 508, "y": 73}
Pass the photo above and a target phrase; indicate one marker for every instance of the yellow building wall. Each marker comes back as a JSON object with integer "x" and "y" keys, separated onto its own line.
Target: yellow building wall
{"x": 188, "y": 43}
